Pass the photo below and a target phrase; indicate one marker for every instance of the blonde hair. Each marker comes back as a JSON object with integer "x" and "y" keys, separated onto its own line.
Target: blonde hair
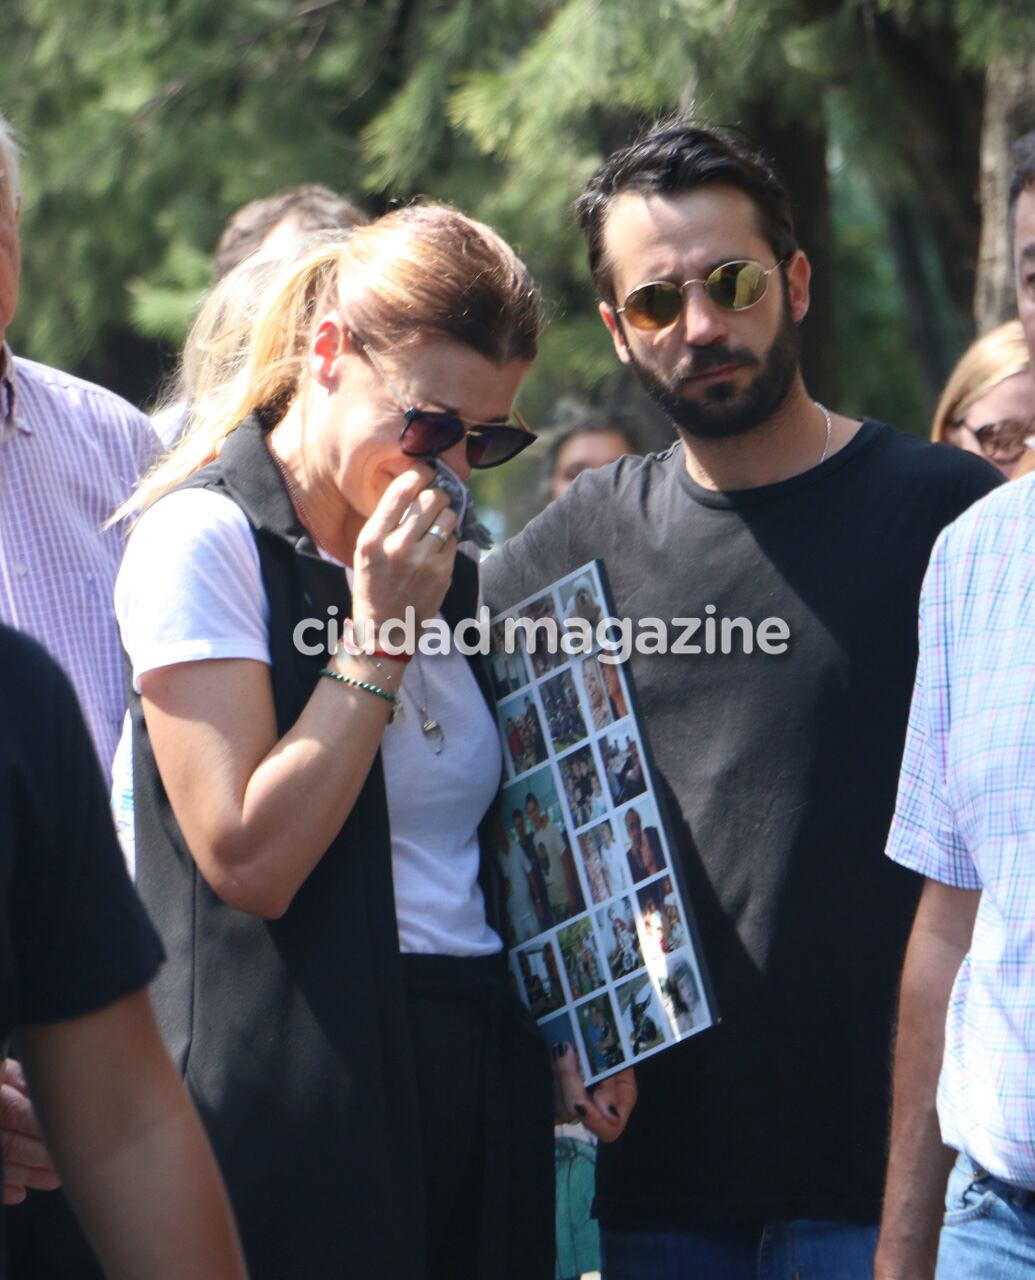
{"x": 421, "y": 273}
{"x": 995, "y": 356}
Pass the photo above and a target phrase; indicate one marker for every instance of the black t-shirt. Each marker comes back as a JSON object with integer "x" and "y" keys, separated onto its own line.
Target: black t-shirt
{"x": 73, "y": 935}
{"x": 780, "y": 775}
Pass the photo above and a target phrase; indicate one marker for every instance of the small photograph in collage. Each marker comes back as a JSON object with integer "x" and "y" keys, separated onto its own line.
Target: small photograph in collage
{"x": 623, "y": 762}
{"x": 507, "y": 671}
{"x": 640, "y": 832}
{"x": 533, "y": 819}
{"x": 580, "y": 600}
{"x": 618, "y": 930}
{"x": 559, "y": 1030}
{"x": 582, "y": 961}
{"x": 583, "y": 790}
{"x": 527, "y": 908}
{"x": 606, "y": 867}
{"x": 681, "y": 993}
{"x": 641, "y": 1015}
{"x": 547, "y": 636}
{"x": 523, "y": 733}
{"x": 614, "y": 687}
{"x": 594, "y": 691}
{"x": 663, "y": 929}
{"x": 563, "y": 713}
{"x": 600, "y": 1034}
{"x": 540, "y": 981}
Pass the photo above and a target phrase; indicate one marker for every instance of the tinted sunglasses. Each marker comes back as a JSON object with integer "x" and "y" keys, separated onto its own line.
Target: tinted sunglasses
{"x": 1003, "y": 441}
{"x": 429, "y": 432}
{"x": 734, "y": 286}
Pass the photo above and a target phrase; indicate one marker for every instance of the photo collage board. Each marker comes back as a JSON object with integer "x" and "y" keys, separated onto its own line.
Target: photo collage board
{"x": 602, "y": 948}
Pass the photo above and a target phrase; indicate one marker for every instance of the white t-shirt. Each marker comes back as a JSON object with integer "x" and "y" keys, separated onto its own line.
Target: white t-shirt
{"x": 191, "y": 588}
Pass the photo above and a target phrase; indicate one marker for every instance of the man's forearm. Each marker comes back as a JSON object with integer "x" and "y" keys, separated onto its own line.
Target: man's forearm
{"x": 130, "y": 1147}
{"x": 919, "y": 1163}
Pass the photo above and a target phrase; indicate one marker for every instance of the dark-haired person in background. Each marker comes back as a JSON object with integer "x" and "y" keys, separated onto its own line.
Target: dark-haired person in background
{"x": 766, "y": 1134}
{"x": 583, "y": 438}
{"x": 965, "y": 822}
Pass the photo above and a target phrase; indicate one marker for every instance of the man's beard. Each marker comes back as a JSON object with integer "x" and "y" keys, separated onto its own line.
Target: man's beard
{"x": 723, "y": 412}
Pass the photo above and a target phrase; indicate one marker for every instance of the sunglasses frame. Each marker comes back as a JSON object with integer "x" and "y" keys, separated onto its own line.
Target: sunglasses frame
{"x": 985, "y": 437}
{"x": 463, "y": 431}
{"x": 703, "y": 281}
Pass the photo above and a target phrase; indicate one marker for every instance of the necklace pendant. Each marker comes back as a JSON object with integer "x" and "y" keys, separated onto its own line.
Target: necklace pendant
{"x": 432, "y": 730}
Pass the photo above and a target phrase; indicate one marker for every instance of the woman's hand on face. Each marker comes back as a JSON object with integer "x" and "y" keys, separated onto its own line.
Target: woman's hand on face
{"x": 399, "y": 562}
{"x": 604, "y": 1110}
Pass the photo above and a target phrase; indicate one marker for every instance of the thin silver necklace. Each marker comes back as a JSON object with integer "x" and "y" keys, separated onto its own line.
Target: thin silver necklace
{"x": 830, "y": 427}
{"x": 433, "y": 732}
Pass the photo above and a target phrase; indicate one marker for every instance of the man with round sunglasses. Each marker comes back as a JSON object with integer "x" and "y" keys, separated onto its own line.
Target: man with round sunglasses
{"x": 757, "y": 1148}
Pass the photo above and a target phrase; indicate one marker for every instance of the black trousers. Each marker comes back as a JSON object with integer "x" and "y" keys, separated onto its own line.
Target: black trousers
{"x": 486, "y": 1141}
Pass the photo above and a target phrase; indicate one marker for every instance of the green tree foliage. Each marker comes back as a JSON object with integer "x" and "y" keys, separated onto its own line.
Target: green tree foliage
{"x": 149, "y": 121}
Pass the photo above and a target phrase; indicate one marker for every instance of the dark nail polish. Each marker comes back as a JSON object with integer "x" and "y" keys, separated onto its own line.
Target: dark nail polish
{"x": 580, "y": 1110}
{"x": 613, "y": 1111}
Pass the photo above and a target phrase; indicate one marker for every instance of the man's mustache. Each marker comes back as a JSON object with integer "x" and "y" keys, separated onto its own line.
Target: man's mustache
{"x": 704, "y": 359}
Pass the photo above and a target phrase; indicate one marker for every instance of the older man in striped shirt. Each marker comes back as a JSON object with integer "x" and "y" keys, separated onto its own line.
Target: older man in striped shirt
{"x": 70, "y": 453}
{"x": 965, "y": 820}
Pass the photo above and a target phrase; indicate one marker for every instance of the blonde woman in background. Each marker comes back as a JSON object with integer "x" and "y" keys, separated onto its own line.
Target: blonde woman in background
{"x": 988, "y": 405}
{"x": 307, "y": 821}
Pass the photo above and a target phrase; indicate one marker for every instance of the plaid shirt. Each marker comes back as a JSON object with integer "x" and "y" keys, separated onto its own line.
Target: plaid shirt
{"x": 966, "y": 816}
{"x": 70, "y": 453}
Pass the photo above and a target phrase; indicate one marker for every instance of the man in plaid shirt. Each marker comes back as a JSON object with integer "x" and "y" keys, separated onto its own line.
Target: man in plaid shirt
{"x": 965, "y": 820}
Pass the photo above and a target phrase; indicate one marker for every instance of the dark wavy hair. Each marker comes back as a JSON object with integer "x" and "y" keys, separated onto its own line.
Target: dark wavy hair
{"x": 673, "y": 157}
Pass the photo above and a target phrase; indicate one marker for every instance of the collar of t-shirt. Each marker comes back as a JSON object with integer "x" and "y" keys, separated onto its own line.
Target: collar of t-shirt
{"x": 739, "y": 499}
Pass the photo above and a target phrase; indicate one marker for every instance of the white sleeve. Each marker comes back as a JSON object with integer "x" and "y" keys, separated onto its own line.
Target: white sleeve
{"x": 190, "y": 586}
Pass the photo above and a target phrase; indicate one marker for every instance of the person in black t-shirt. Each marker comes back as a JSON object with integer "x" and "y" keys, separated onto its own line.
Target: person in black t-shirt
{"x": 76, "y": 955}
{"x": 778, "y": 762}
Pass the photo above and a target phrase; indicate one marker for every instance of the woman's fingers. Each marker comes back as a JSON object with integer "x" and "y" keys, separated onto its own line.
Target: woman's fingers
{"x": 430, "y": 511}
{"x": 610, "y": 1105}
{"x": 396, "y": 501}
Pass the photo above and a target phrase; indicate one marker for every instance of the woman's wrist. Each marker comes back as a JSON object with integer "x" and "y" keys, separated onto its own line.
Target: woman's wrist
{"x": 386, "y": 671}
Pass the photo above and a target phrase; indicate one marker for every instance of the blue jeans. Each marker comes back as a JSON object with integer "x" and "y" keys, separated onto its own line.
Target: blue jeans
{"x": 799, "y": 1250}
{"x": 989, "y": 1227}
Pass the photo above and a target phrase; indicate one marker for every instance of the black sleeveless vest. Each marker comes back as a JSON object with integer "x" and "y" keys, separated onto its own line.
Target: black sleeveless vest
{"x": 291, "y": 1033}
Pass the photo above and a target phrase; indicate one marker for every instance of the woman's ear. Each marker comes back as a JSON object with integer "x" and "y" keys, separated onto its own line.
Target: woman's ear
{"x": 330, "y": 343}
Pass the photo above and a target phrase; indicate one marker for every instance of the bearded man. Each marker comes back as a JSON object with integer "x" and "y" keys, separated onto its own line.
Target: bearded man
{"x": 764, "y": 1137}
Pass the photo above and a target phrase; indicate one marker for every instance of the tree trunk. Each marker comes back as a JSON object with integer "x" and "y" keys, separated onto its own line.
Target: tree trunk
{"x": 936, "y": 128}
{"x": 1009, "y": 113}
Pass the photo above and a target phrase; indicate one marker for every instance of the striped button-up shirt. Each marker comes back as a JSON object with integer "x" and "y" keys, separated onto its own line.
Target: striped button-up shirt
{"x": 966, "y": 816}
{"x": 70, "y": 453}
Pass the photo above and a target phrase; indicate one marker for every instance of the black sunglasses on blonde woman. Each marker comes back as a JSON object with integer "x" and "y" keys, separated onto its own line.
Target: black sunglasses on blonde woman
{"x": 429, "y": 432}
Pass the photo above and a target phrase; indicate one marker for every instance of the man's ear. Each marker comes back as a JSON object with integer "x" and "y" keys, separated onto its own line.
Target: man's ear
{"x": 327, "y": 350}
{"x": 614, "y": 328}
{"x": 798, "y": 275}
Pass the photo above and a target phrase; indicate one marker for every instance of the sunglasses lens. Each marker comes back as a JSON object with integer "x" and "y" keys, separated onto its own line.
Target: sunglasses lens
{"x": 737, "y": 285}
{"x": 488, "y": 446}
{"x": 655, "y": 305}
{"x": 427, "y": 433}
